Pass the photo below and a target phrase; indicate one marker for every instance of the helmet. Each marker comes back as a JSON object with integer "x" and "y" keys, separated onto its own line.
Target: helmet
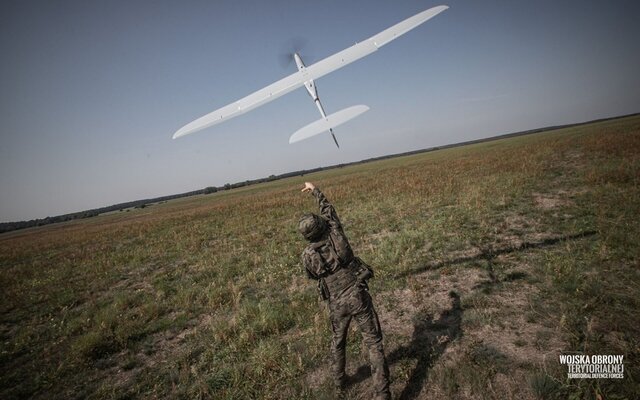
{"x": 312, "y": 226}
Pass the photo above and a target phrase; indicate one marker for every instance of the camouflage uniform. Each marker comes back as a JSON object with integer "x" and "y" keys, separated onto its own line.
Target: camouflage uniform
{"x": 330, "y": 260}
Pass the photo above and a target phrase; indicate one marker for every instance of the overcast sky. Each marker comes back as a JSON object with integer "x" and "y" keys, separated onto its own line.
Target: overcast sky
{"x": 92, "y": 91}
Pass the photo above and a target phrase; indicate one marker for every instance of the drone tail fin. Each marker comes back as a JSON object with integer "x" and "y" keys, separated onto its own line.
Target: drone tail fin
{"x": 328, "y": 123}
{"x": 334, "y": 137}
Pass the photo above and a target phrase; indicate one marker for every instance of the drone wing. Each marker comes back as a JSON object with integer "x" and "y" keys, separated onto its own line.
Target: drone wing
{"x": 368, "y": 46}
{"x": 256, "y": 99}
{"x": 315, "y": 71}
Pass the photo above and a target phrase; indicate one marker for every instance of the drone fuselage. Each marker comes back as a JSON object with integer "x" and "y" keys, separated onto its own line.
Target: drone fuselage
{"x": 313, "y": 92}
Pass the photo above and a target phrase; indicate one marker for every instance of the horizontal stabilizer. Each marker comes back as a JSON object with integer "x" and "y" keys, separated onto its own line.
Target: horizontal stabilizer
{"x": 330, "y": 122}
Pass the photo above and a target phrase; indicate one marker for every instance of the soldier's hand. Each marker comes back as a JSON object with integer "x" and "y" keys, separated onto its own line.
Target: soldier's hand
{"x": 308, "y": 187}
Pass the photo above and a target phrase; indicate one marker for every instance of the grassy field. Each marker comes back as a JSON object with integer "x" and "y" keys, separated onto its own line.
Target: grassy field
{"x": 491, "y": 260}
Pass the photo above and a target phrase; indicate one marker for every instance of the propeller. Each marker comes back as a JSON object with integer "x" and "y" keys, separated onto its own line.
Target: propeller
{"x": 292, "y": 46}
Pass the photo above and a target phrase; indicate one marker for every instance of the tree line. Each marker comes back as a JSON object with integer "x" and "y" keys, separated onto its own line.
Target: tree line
{"x": 11, "y": 226}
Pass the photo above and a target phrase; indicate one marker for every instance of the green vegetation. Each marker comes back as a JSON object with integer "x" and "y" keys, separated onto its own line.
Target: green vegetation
{"x": 491, "y": 259}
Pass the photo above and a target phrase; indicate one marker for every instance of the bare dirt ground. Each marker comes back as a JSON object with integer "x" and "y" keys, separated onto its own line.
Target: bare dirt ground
{"x": 460, "y": 311}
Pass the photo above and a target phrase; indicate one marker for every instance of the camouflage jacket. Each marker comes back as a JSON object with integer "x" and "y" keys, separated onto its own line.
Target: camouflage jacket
{"x": 332, "y": 252}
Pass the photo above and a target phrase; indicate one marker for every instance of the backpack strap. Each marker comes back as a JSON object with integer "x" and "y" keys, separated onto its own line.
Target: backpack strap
{"x": 329, "y": 243}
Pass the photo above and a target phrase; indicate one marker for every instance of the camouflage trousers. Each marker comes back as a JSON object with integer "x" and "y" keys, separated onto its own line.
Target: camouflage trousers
{"x": 356, "y": 303}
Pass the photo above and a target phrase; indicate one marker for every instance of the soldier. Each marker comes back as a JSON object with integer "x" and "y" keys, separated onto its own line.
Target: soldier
{"x": 329, "y": 259}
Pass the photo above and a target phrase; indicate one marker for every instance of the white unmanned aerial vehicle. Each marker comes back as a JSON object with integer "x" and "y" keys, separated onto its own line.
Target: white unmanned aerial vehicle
{"x": 305, "y": 76}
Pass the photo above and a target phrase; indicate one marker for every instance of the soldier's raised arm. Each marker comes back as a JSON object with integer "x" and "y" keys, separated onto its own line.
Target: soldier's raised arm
{"x": 326, "y": 209}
